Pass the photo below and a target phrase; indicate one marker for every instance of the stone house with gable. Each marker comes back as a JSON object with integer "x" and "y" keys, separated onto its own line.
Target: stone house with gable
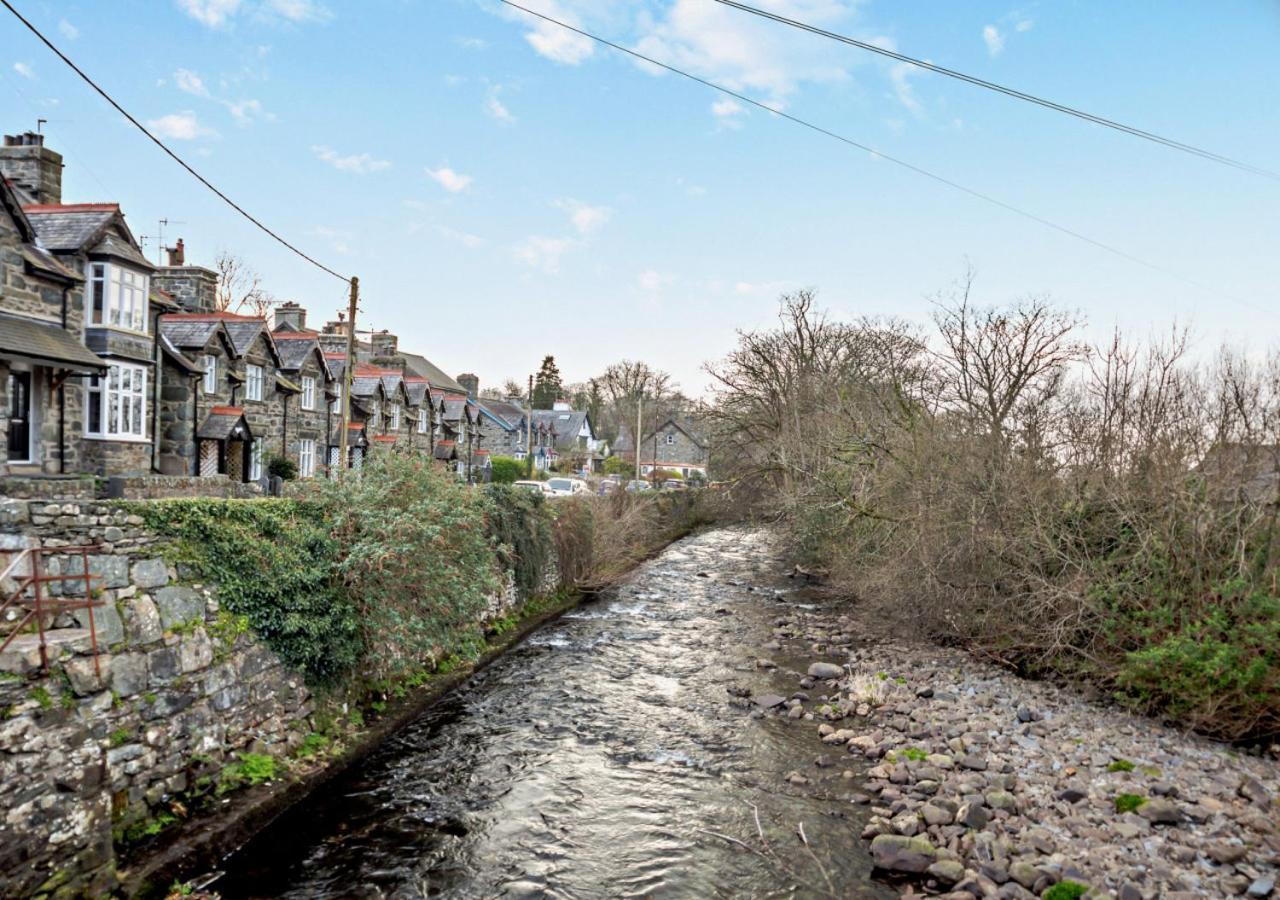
{"x": 198, "y": 373}
{"x": 43, "y": 362}
{"x": 569, "y": 434}
{"x": 675, "y": 445}
{"x": 118, "y": 407}
{"x": 303, "y": 362}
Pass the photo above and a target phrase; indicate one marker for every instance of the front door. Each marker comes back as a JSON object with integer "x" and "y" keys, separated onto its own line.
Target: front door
{"x": 19, "y": 448}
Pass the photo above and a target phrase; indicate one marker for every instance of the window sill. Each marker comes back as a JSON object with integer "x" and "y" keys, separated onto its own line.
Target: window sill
{"x": 116, "y": 328}
{"x": 118, "y": 438}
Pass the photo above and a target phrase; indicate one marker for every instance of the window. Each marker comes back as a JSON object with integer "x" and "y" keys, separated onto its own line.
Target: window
{"x": 671, "y": 438}
{"x": 307, "y": 458}
{"x": 117, "y": 297}
{"x": 374, "y": 411}
{"x": 116, "y": 406}
{"x": 210, "y": 366}
{"x": 395, "y": 416}
{"x": 308, "y": 392}
{"x": 253, "y": 382}
{"x": 336, "y": 406}
{"x": 424, "y": 416}
{"x": 255, "y": 460}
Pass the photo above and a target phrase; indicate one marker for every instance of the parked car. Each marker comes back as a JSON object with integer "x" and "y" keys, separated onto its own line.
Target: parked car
{"x": 674, "y": 484}
{"x": 566, "y": 487}
{"x": 538, "y": 486}
{"x": 636, "y": 486}
{"x": 607, "y": 487}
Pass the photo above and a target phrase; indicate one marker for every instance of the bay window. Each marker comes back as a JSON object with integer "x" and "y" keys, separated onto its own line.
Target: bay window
{"x": 308, "y": 392}
{"x": 117, "y": 297}
{"x": 116, "y": 405}
{"x": 253, "y": 382}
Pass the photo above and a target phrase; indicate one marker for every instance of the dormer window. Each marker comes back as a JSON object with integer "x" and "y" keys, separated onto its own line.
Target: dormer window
{"x": 395, "y": 416}
{"x": 671, "y": 438}
{"x": 423, "y": 416}
{"x": 117, "y": 297}
{"x": 308, "y": 392}
{"x": 210, "y": 366}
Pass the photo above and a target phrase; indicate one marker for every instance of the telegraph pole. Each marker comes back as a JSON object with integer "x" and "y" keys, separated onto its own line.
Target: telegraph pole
{"x": 528, "y": 423}
{"x": 347, "y": 372}
{"x": 636, "y": 442}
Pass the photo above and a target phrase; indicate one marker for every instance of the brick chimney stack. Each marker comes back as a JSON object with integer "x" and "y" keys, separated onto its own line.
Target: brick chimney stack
{"x": 471, "y": 383}
{"x": 385, "y": 344}
{"x": 34, "y": 169}
{"x": 177, "y": 254}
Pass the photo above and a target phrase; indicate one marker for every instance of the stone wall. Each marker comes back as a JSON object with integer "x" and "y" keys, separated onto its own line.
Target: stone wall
{"x": 178, "y": 689}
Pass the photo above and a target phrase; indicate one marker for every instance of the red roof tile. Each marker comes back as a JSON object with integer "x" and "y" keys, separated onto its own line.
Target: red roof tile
{"x": 37, "y": 208}
{"x": 385, "y": 438}
{"x": 213, "y": 317}
{"x": 227, "y": 411}
{"x": 297, "y": 336}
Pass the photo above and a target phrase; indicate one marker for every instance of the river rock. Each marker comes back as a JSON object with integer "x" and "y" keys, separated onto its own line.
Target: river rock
{"x": 825, "y": 671}
{"x": 1160, "y": 811}
{"x": 899, "y": 853}
{"x": 947, "y": 871}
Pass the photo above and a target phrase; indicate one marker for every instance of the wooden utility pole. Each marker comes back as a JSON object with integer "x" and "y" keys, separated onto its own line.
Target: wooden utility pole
{"x": 636, "y": 443}
{"x": 528, "y": 425}
{"x": 348, "y": 371}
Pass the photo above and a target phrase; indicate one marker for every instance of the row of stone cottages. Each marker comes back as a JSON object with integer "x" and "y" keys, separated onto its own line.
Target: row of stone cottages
{"x": 110, "y": 365}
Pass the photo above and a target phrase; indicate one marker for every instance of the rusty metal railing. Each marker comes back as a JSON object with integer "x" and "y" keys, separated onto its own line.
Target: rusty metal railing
{"x": 30, "y": 595}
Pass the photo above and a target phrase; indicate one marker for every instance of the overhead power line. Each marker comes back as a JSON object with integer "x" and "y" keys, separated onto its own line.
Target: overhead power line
{"x": 159, "y": 143}
{"x": 986, "y": 198}
{"x": 1007, "y": 91}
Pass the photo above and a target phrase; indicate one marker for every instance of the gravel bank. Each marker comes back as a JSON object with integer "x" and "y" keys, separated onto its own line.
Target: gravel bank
{"x": 982, "y": 784}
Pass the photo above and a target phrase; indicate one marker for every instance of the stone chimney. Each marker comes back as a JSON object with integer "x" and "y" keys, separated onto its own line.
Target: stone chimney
{"x": 195, "y": 288}
{"x": 32, "y": 168}
{"x": 471, "y": 383}
{"x": 290, "y": 314}
{"x": 385, "y": 344}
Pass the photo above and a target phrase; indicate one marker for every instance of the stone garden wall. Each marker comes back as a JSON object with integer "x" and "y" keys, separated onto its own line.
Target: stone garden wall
{"x": 179, "y": 689}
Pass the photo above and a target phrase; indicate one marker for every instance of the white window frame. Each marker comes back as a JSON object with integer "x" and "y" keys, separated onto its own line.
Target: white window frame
{"x": 256, "y": 453}
{"x": 395, "y": 416}
{"x": 253, "y": 379}
{"x": 121, "y": 399}
{"x": 306, "y": 458}
{"x": 210, "y": 366}
{"x": 671, "y": 439}
{"x": 424, "y": 416}
{"x": 308, "y": 392}
{"x": 116, "y": 297}
{"x": 336, "y": 406}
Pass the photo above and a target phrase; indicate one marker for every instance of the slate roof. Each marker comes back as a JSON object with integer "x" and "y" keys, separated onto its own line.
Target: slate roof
{"x": 294, "y": 347}
{"x": 417, "y": 387}
{"x": 222, "y": 422}
{"x": 46, "y": 342}
{"x": 177, "y": 358}
{"x": 454, "y": 409}
{"x": 71, "y": 226}
{"x": 420, "y": 365}
{"x": 507, "y": 415}
{"x": 445, "y": 450}
{"x": 191, "y": 333}
{"x": 33, "y": 253}
{"x": 684, "y": 424}
{"x": 242, "y": 330}
{"x": 566, "y": 423}
{"x": 114, "y": 245}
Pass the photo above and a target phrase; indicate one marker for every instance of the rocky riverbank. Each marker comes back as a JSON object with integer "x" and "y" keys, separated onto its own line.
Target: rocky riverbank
{"x": 982, "y": 784}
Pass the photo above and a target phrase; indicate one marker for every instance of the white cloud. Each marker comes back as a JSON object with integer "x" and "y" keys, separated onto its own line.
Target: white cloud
{"x": 550, "y": 40}
{"x": 543, "y": 252}
{"x": 211, "y": 13}
{"x": 899, "y": 73}
{"x": 67, "y": 30}
{"x": 497, "y": 109}
{"x": 298, "y": 10}
{"x": 245, "y": 112}
{"x": 585, "y": 219}
{"x": 470, "y": 241}
{"x": 652, "y": 280}
{"x": 447, "y": 178}
{"x": 360, "y": 164}
{"x": 729, "y": 112}
{"x": 1024, "y": 25}
{"x": 24, "y": 70}
{"x": 994, "y": 40}
{"x": 180, "y": 126}
{"x": 190, "y": 82}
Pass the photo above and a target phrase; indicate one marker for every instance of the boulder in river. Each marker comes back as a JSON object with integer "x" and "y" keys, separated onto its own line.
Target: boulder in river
{"x": 825, "y": 670}
{"x": 899, "y": 853}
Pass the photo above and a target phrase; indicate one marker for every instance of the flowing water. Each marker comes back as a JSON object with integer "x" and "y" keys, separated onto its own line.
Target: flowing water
{"x": 600, "y": 758}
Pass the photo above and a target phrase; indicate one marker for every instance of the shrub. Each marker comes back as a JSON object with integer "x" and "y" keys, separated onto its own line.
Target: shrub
{"x": 616, "y": 465}
{"x": 1127, "y": 803}
{"x": 1066, "y": 890}
{"x": 506, "y": 469}
{"x": 520, "y": 523}
{"x": 282, "y": 467}
{"x": 1120, "y": 765}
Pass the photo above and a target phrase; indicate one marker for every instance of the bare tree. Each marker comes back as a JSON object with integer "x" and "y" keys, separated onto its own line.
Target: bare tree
{"x": 240, "y": 287}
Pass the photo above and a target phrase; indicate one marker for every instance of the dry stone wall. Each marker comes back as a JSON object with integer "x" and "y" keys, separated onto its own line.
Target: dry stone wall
{"x": 102, "y": 746}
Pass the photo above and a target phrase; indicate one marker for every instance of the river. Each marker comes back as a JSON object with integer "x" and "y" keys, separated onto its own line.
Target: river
{"x": 605, "y": 756}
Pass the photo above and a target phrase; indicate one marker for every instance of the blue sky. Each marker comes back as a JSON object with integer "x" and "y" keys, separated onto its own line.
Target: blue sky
{"x": 506, "y": 191}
